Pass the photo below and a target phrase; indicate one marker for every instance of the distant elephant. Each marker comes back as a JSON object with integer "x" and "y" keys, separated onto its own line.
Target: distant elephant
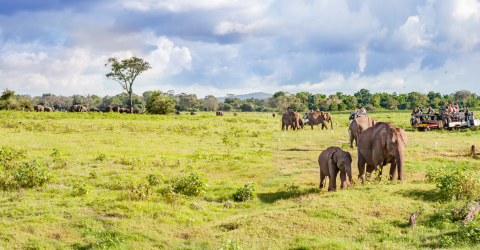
{"x": 136, "y": 111}
{"x": 107, "y": 109}
{"x": 193, "y": 113}
{"x": 273, "y": 115}
{"x": 38, "y": 108}
{"x": 331, "y": 161}
{"x": 290, "y": 118}
{"x": 319, "y": 117}
{"x": 47, "y": 109}
{"x": 359, "y": 125}
{"x": 94, "y": 110}
{"x": 301, "y": 124}
{"x": 178, "y": 113}
{"x": 72, "y": 108}
{"x": 235, "y": 114}
{"x": 116, "y": 109}
{"x": 81, "y": 108}
{"x": 219, "y": 113}
{"x": 379, "y": 145}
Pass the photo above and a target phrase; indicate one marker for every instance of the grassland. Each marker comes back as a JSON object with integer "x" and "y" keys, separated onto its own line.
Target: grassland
{"x": 102, "y": 151}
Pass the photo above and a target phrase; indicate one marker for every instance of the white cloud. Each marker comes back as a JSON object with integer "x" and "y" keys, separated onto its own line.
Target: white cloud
{"x": 227, "y": 27}
{"x": 411, "y": 35}
{"x": 465, "y": 9}
{"x": 186, "y": 5}
{"x": 363, "y": 60}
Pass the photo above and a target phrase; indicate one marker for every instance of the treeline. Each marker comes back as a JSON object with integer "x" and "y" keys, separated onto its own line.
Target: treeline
{"x": 167, "y": 102}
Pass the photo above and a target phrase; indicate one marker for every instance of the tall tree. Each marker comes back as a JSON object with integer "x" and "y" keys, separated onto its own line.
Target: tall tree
{"x": 126, "y": 71}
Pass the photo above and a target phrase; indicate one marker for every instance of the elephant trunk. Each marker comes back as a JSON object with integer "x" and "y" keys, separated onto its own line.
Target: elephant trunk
{"x": 349, "y": 174}
{"x": 331, "y": 123}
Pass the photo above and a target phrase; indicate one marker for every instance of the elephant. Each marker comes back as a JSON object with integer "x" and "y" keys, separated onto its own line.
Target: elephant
{"x": 47, "y": 109}
{"x": 357, "y": 126}
{"x": 379, "y": 145}
{"x": 319, "y": 117}
{"x": 301, "y": 124}
{"x": 273, "y": 115}
{"x": 81, "y": 108}
{"x": 331, "y": 161}
{"x": 193, "y": 113}
{"x": 72, "y": 108}
{"x": 107, "y": 109}
{"x": 178, "y": 113}
{"x": 235, "y": 114}
{"x": 122, "y": 110}
{"x": 116, "y": 109}
{"x": 219, "y": 113}
{"x": 38, "y": 108}
{"x": 290, "y": 118}
{"x": 136, "y": 111}
{"x": 94, "y": 110}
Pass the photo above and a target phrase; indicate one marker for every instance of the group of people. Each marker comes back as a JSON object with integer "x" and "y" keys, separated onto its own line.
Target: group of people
{"x": 419, "y": 110}
{"x": 449, "y": 109}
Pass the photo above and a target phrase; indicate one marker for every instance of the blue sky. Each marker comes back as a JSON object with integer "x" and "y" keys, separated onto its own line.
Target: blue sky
{"x": 227, "y": 46}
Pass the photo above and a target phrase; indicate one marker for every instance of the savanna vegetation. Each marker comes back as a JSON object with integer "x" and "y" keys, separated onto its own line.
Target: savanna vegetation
{"x": 119, "y": 181}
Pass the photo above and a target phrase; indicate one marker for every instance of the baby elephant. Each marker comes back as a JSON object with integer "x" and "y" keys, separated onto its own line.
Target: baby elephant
{"x": 331, "y": 161}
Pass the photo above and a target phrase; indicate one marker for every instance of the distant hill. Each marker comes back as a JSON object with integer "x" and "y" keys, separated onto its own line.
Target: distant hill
{"x": 258, "y": 95}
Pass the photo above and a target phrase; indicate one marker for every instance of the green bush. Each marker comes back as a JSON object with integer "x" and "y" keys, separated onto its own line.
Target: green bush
{"x": 101, "y": 156}
{"x": 245, "y": 193}
{"x": 456, "y": 183}
{"x": 33, "y": 174}
{"x": 155, "y": 179}
{"x": 190, "y": 185}
{"x": 57, "y": 157}
{"x": 160, "y": 104}
{"x": 82, "y": 189}
{"x": 9, "y": 155}
{"x": 138, "y": 191}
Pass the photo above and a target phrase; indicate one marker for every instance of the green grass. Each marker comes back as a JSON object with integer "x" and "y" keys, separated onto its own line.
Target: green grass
{"x": 105, "y": 151}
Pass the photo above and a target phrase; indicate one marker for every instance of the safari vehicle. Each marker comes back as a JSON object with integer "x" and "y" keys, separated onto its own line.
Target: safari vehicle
{"x": 443, "y": 120}
{"x": 355, "y": 115}
{"x": 305, "y": 119}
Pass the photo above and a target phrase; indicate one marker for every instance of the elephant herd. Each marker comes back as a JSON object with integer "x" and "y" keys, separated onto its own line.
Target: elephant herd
{"x": 81, "y": 108}
{"x": 378, "y": 144}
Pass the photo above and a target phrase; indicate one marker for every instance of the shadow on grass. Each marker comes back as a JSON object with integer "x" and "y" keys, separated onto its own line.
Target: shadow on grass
{"x": 424, "y": 195}
{"x": 284, "y": 195}
{"x": 298, "y": 149}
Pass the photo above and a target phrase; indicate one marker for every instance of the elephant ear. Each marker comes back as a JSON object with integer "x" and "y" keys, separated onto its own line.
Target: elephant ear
{"x": 384, "y": 138}
{"x": 333, "y": 157}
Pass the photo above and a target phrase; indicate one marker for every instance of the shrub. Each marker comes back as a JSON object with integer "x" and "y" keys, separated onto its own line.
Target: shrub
{"x": 458, "y": 183}
{"x": 155, "y": 179}
{"x": 82, "y": 189}
{"x": 57, "y": 157}
{"x": 160, "y": 104}
{"x": 245, "y": 193}
{"x": 9, "y": 155}
{"x": 101, "y": 156}
{"x": 230, "y": 246}
{"x": 137, "y": 190}
{"x": 190, "y": 185}
{"x": 33, "y": 174}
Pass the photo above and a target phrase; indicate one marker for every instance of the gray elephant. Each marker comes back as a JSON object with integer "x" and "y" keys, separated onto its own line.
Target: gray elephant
{"x": 235, "y": 114}
{"x": 273, "y": 115}
{"x": 38, "y": 108}
{"x": 116, "y": 109}
{"x": 107, "y": 109}
{"x": 359, "y": 125}
{"x": 178, "y": 113}
{"x": 193, "y": 113}
{"x": 379, "y": 145}
{"x": 47, "y": 109}
{"x": 81, "y": 108}
{"x": 219, "y": 113}
{"x": 319, "y": 117}
{"x": 290, "y": 118}
{"x": 331, "y": 161}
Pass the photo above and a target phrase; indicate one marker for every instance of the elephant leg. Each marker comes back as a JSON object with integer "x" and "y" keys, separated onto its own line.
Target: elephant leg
{"x": 351, "y": 140}
{"x": 343, "y": 179}
{"x": 393, "y": 168}
{"x": 283, "y": 125}
{"x": 370, "y": 170}
{"x": 332, "y": 185}
{"x": 311, "y": 125}
{"x": 361, "y": 168}
{"x": 322, "y": 180}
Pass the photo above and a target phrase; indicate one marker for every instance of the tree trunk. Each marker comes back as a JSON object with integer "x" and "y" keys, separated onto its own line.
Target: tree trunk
{"x": 131, "y": 108}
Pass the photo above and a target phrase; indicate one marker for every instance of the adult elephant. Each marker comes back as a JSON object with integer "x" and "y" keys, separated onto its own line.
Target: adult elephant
{"x": 47, "y": 109}
{"x": 193, "y": 113}
{"x": 39, "y": 108}
{"x": 301, "y": 124}
{"x": 178, "y": 113}
{"x": 235, "y": 114}
{"x": 81, "y": 108}
{"x": 107, "y": 109}
{"x": 116, "y": 109}
{"x": 73, "y": 108}
{"x": 219, "y": 113}
{"x": 331, "y": 161}
{"x": 290, "y": 118}
{"x": 359, "y": 125}
{"x": 273, "y": 115}
{"x": 379, "y": 145}
{"x": 319, "y": 117}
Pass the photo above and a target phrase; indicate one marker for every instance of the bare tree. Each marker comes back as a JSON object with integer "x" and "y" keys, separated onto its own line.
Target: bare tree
{"x": 211, "y": 101}
{"x": 87, "y": 99}
{"x": 171, "y": 93}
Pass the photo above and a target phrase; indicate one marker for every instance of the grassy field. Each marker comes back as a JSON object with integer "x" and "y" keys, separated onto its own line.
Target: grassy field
{"x": 101, "y": 197}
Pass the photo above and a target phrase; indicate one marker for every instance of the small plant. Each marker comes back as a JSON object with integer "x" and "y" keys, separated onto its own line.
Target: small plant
{"x": 93, "y": 175}
{"x": 101, "y": 156}
{"x": 57, "y": 157}
{"x": 456, "y": 183}
{"x": 82, "y": 189}
{"x": 137, "y": 190}
{"x": 33, "y": 174}
{"x": 230, "y": 246}
{"x": 155, "y": 179}
{"x": 131, "y": 161}
{"x": 245, "y": 193}
{"x": 190, "y": 185}
{"x": 9, "y": 155}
